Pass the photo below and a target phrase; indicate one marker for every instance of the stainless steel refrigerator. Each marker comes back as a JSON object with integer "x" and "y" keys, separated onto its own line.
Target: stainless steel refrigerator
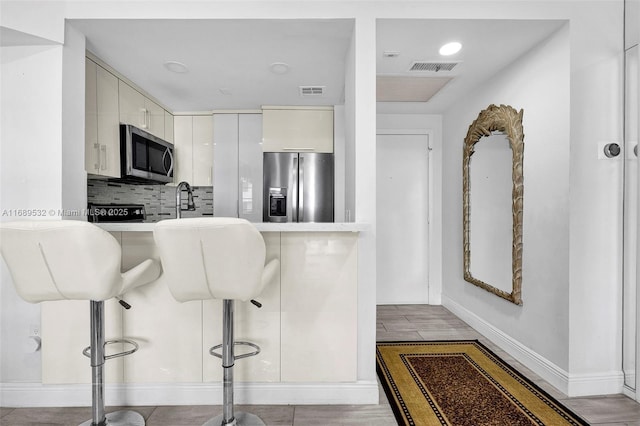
{"x": 298, "y": 187}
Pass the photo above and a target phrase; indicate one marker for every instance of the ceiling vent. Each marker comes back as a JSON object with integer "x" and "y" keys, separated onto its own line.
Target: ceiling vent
{"x": 312, "y": 90}
{"x": 432, "y": 66}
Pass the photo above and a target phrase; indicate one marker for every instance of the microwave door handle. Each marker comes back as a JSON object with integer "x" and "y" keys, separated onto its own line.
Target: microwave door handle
{"x": 164, "y": 156}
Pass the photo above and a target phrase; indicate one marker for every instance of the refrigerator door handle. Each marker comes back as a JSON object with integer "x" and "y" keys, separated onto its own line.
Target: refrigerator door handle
{"x": 294, "y": 191}
{"x": 301, "y": 189}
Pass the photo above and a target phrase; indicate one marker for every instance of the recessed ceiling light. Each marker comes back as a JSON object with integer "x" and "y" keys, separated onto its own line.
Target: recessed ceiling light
{"x": 450, "y": 48}
{"x": 177, "y": 67}
{"x": 279, "y": 68}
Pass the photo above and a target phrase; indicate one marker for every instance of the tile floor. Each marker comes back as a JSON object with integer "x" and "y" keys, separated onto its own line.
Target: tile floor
{"x": 395, "y": 322}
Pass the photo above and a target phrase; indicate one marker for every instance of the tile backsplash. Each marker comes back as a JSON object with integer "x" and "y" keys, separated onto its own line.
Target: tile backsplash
{"x": 159, "y": 200}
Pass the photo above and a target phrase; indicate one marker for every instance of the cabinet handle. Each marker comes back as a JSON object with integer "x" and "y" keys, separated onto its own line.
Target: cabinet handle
{"x": 298, "y": 149}
{"x": 96, "y": 166}
{"x": 143, "y": 124}
{"x": 103, "y": 149}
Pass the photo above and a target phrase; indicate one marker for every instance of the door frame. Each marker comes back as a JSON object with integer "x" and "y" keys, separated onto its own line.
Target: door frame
{"x": 434, "y": 159}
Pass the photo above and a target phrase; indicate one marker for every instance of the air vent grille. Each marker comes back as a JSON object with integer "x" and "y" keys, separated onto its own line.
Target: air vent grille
{"x": 432, "y": 66}
{"x": 312, "y": 90}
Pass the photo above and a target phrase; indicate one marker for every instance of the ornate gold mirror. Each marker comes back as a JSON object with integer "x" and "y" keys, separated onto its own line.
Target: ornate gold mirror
{"x": 492, "y": 229}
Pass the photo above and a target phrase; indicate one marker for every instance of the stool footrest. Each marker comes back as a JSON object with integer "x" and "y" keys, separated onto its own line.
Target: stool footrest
{"x": 213, "y": 352}
{"x": 87, "y": 351}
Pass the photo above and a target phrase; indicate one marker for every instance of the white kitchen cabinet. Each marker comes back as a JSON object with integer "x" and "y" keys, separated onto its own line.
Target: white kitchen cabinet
{"x": 202, "y": 150}
{"x": 168, "y": 127}
{"x": 193, "y": 144}
{"x": 91, "y": 147}
{"x": 169, "y": 332}
{"x": 102, "y": 132}
{"x": 139, "y": 111}
{"x": 237, "y": 182}
{"x": 297, "y": 130}
{"x": 319, "y": 307}
{"x": 225, "y": 174}
{"x": 250, "y": 167}
{"x": 306, "y": 328}
{"x": 65, "y": 333}
{"x": 257, "y": 325}
{"x": 183, "y": 148}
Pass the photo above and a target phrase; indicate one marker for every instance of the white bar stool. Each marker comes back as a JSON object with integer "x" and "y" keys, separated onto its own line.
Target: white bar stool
{"x": 217, "y": 258}
{"x": 74, "y": 260}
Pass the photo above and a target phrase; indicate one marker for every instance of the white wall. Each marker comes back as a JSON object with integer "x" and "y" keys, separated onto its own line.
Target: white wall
{"x": 40, "y": 19}
{"x": 569, "y": 325}
{"x": 542, "y": 322}
{"x": 74, "y": 177}
{"x": 365, "y": 192}
{"x": 30, "y": 180}
{"x": 596, "y": 194}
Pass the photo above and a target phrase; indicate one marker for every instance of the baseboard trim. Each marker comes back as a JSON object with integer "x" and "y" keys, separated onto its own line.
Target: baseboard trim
{"x": 79, "y": 395}
{"x": 570, "y": 384}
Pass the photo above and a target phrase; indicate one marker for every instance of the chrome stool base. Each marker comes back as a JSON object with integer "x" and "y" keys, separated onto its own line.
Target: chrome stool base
{"x": 121, "y": 418}
{"x": 241, "y": 419}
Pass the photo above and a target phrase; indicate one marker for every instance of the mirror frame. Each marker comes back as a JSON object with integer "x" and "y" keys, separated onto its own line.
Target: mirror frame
{"x": 507, "y": 120}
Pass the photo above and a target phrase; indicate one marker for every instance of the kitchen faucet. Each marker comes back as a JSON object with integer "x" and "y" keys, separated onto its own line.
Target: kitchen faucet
{"x": 191, "y": 206}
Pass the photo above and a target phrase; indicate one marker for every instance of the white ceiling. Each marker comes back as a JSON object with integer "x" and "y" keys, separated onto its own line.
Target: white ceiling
{"x": 487, "y": 47}
{"x": 229, "y": 60}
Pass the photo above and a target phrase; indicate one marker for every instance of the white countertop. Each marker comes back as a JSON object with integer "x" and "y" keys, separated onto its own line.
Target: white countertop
{"x": 262, "y": 227}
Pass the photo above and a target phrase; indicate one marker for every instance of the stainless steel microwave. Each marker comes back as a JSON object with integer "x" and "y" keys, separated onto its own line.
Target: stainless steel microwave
{"x": 145, "y": 157}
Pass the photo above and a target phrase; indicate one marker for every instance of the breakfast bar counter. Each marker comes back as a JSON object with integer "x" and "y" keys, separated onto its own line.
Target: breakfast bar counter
{"x": 307, "y": 327}
{"x": 262, "y": 227}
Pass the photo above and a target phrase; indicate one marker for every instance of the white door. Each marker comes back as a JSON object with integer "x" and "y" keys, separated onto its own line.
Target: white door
{"x": 402, "y": 218}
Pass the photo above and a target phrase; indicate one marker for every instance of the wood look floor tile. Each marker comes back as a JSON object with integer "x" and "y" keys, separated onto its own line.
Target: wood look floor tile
{"x": 59, "y": 416}
{"x": 611, "y": 408}
{"x": 389, "y": 336}
{"x": 185, "y": 415}
{"x": 4, "y": 411}
{"x": 46, "y": 416}
{"x": 181, "y": 415}
{"x": 322, "y": 415}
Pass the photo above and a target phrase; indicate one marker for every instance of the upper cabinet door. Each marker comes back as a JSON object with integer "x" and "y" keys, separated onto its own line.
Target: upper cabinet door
{"x": 297, "y": 130}
{"x": 139, "y": 111}
{"x": 102, "y": 135}
{"x": 183, "y": 148}
{"x": 108, "y": 123}
{"x": 155, "y": 118}
{"x": 91, "y": 147}
{"x": 132, "y": 109}
{"x": 168, "y": 127}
